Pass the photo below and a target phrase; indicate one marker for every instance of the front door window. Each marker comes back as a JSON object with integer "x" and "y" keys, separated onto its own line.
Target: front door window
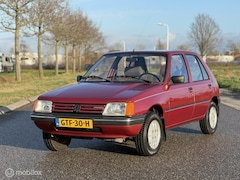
{"x": 178, "y": 67}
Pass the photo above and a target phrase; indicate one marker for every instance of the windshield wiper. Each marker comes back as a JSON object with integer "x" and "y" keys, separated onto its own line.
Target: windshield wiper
{"x": 98, "y": 77}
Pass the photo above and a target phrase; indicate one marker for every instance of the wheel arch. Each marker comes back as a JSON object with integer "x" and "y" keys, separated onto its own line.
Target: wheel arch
{"x": 158, "y": 109}
{"x": 216, "y": 100}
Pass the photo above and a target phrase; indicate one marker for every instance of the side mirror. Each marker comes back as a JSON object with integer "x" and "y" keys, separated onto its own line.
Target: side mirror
{"x": 79, "y": 77}
{"x": 177, "y": 79}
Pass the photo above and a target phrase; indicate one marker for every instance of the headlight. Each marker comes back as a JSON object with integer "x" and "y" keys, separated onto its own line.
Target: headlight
{"x": 119, "y": 109}
{"x": 43, "y": 106}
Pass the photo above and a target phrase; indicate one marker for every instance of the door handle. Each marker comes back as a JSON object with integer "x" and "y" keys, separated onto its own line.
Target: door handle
{"x": 190, "y": 88}
{"x": 209, "y": 85}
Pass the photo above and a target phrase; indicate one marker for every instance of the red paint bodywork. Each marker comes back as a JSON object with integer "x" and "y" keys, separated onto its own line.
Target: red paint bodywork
{"x": 178, "y": 104}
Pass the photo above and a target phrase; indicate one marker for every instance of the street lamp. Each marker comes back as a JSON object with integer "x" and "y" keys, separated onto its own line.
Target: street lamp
{"x": 161, "y": 24}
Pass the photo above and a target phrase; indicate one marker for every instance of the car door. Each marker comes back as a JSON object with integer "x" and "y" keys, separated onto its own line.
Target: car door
{"x": 201, "y": 84}
{"x": 180, "y": 95}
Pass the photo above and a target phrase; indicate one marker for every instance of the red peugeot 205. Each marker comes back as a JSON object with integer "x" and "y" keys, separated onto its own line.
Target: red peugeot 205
{"x": 135, "y": 95}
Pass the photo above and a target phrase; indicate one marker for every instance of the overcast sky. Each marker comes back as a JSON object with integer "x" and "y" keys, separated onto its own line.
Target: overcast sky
{"x": 135, "y": 22}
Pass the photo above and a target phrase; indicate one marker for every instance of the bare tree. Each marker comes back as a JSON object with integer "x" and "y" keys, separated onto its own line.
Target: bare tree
{"x": 160, "y": 45}
{"x": 94, "y": 39}
{"x": 24, "y": 47}
{"x": 76, "y": 30}
{"x": 44, "y": 13}
{"x": 81, "y": 31}
{"x": 68, "y": 25}
{"x": 72, "y": 31}
{"x": 14, "y": 16}
{"x": 58, "y": 32}
{"x": 116, "y": 47}
{"x": 234, "y": 47}
{"x": 85, "y": 37}
{"x": 183, "y": 47}
{"x": 205, "y": 34}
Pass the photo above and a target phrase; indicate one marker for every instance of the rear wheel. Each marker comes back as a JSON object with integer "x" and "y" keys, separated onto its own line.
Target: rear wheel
{"x": 209, "y": 124}
{"x": 56, "y": 142}
{"x": 148, "y": 141}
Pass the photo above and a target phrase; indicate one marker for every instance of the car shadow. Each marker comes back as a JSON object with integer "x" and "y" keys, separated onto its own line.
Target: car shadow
{"x": 186, "y": 130}
{"x": 18, "y": 130}
{"x": 101, "y": 145}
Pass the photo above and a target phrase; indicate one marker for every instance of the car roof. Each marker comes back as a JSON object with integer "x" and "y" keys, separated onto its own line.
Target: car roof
{"x": 151, "y": 52}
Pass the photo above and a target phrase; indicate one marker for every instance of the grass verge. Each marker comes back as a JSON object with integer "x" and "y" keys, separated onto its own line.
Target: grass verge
{"x": 31, "y": 85}
{"x": 227, "y": 76}
{"x": 11, "y": 91}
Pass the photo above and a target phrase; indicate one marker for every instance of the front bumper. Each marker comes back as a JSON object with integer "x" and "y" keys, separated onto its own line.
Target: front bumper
{"x": 103, "y": 126}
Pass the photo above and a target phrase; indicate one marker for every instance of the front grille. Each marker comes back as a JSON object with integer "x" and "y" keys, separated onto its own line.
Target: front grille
{"x": 78, "y": 108}
{"x": 63, "y": 107}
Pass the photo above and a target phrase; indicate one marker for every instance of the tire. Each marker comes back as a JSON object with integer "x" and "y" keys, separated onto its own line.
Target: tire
{"x": 149, "y": 140}
{"x": 56, "y": 142}
{"x": 209, "y": 124}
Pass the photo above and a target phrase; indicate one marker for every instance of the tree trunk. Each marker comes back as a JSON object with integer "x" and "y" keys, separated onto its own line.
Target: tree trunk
{"x": 17, "y": 58}
{"x": 66, "y": 58}
{"x": 74, "y": 59}
{"x": 80, "y": 62}
{"x": 56, "y": 63}
{"x": 40, "y": 67}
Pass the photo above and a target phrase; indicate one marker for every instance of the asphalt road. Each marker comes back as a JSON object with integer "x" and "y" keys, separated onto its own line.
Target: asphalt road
{"x": 187, "y": 153}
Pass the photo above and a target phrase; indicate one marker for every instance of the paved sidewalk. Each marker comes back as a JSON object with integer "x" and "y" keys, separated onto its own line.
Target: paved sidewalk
{"x": 228, "y": 98}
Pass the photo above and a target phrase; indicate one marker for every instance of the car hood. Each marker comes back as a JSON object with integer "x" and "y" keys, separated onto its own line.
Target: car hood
{"x": 98, "y": 92}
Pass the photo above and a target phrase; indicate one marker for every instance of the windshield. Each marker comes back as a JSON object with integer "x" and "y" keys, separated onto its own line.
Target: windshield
{"x": 124, "y": 67}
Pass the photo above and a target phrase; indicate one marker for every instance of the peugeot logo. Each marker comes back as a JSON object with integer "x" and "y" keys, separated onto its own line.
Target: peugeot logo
{"x": 76, "y": 108}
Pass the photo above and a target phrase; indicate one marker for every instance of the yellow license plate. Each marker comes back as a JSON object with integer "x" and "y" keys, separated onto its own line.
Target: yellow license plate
{"x": 74, "y": 123}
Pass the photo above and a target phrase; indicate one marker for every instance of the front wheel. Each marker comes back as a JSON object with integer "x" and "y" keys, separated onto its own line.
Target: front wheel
{"x": 148, "y": 141}
{"x": 56, "y": 142}
{"x": 209, "y": 124}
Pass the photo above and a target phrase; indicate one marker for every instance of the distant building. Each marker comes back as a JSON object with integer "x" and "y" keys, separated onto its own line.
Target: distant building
{"x": 221, "y": 58}
{"x": 28, "y": 58}
{"x": 50, "y": 59}
{"x": 31, "y": 59}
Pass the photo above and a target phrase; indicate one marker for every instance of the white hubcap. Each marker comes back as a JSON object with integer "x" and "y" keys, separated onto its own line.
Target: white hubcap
{"x": 154, "y": 134}
{"x": 213, "y": 117}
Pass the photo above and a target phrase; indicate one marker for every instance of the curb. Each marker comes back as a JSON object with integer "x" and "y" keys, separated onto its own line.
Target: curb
{"x": 228, "y": 98}
{"x": 14, "y": 106}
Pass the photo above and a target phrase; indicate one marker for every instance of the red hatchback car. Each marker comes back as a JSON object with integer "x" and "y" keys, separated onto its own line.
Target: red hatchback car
{"x": 135, "y": 95}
